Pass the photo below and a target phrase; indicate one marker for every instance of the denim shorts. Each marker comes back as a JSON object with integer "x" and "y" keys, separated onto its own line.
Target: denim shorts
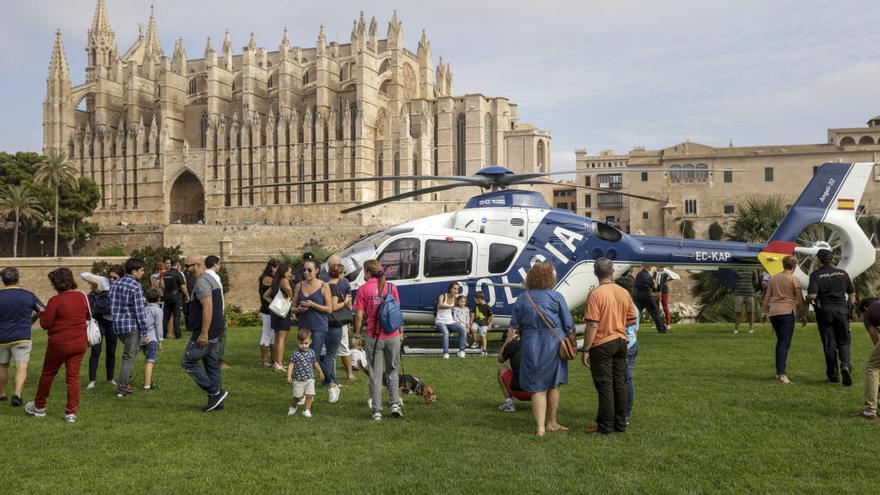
{"x": 151, "y": 350}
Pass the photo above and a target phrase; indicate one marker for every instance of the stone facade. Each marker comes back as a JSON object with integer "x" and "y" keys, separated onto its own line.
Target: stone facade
{"x": 705, "y": 184}
{"x": 183, "y": 140}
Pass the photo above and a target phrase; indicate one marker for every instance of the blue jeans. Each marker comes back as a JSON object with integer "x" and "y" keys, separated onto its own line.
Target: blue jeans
{"x": 783, "y": 325}
{"x": 631, "y": 355}
{"x": 457, "y": 327}
{"x": 208, "y": 378}
{"x": 328, "y": 361}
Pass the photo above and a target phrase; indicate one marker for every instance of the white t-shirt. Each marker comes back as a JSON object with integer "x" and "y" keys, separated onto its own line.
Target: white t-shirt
{"x": 444, "y": 316}
{"x": 461, "y": 315}
{"x": 358, "y": 359}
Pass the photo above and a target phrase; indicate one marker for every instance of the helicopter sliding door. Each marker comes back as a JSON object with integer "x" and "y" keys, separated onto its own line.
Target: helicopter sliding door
{"x": 446, "y": 260}
{"x": 401, "y": 259}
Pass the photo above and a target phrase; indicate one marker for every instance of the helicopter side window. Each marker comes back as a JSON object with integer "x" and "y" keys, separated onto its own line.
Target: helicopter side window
{"x": 400, "y": 259}
{"x": 500, "y": 257}
{"x": 448, "y": 258}
{"x": 606, "y": 232}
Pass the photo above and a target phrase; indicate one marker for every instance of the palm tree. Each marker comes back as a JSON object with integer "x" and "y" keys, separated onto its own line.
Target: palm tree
{"x": 53, "y": 172}
{"x": 757, "y": 218}
{"x": 21, "y": 201}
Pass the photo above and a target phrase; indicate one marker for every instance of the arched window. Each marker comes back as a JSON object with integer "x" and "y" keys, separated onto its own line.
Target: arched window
{"x": 306, "y": 78}
{"x": 271, "y": 82}
{"x": 386, "y": 64}
{"x": 385, "y": 85}
{"x": 460, "y": 140}
{"x": 689, "y": 174}
{"x": 397, "y": 173}
{"x": 380, "y": 185}
{"x": 542, "y": 156}
{"x": 676, "y": 174}
{"x": 847, "y": 141}
{"x": 866, "y": 140}
{"x": 203, "y": 130}
{"x": 702, "y": 172}
{"x": 489, "y": 140}
{"x": 192, "y": 86}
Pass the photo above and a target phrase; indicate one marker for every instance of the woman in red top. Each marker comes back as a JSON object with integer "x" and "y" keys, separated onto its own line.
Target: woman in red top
{"x": 383, "y": 349}
{"x": 65, "y": 320}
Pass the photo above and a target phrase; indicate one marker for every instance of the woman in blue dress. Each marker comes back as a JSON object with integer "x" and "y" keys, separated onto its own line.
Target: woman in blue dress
{"x": 541, "y": 370}
{"x": 312, "y": 304}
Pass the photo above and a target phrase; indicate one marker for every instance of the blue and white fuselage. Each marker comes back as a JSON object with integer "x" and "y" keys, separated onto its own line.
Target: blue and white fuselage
{"x": 490, "y": 245}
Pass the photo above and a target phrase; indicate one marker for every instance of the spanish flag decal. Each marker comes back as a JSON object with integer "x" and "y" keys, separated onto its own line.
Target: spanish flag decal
{"x": 771, "y": 256}
{"x": 846, "y": 204}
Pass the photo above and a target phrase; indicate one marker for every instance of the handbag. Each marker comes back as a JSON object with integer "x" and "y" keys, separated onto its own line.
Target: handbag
{"x": 93, "y": 330}
{"x": 341, "y": 317}
{"x": 567, "y": 350}
{"x": 280, "y": 304}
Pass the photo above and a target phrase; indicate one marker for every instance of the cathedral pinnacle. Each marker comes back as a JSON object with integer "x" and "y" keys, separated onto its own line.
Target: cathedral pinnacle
{"x": 252, "y": 45}
{"x": 178, "y": 60}
{"x": 322, "y": 40}
{"x": 208, "y": 47}
{"x": 58, "y": 63}
{"x": 285, "y": 39}
{"x": 101, "y": 21}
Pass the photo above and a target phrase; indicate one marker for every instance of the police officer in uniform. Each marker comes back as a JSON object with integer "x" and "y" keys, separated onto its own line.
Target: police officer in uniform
{"x": 175, "y": 294}
{"x": 832, "y": 293}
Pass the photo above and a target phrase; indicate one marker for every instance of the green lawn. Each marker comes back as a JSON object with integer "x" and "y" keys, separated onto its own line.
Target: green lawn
{"x": 708, "y": 418}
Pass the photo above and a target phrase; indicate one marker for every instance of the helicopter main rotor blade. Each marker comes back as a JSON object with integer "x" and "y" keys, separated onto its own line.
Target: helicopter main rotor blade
{"x": 547, "y": 182}
{"x": 409, "y": 194}
{"x": 511, "y": 179}
{"x": 465, "y": 181}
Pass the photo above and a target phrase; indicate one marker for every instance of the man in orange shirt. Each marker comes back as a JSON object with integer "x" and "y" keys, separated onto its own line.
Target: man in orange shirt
{"x": 609, "y": 311}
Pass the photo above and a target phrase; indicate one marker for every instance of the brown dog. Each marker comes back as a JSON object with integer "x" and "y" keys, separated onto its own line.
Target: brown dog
{"x": 410, "y": 385}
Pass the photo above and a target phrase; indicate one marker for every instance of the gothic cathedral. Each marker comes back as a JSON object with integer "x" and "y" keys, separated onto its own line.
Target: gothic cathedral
{"x": 180, "y": 140}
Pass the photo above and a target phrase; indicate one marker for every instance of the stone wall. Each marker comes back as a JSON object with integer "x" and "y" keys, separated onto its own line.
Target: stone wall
{"x": 258, "y": 240}
{"x": 34, "y": 271}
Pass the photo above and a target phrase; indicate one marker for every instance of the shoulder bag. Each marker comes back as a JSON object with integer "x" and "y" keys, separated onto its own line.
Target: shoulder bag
{"x": 342, "y": 316}
{"x": 280, "y": 304}
{"x": 93, "y": 331}
{"x": 567, "y": 350}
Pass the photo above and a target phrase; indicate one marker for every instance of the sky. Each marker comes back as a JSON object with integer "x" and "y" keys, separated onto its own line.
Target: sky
{"x": 597, "y": 74}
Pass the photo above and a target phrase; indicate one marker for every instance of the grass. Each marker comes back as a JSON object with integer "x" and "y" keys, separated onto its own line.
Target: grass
{"x": 708, "y": 418}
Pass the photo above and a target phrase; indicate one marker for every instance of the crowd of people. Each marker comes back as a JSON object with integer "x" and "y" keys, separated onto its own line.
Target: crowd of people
{"x": 330, "y": 323}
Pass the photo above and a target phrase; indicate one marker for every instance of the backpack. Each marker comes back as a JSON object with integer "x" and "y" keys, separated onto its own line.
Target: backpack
{"x": 388, "y": 316}
{"x": 100, "y": 303}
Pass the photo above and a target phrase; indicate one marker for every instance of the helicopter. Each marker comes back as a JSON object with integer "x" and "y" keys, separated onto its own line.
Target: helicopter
{"x": 491, "y": 243}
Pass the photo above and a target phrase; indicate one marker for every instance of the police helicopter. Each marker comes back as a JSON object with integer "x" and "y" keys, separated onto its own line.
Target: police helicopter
{"x": 492, "y": 242}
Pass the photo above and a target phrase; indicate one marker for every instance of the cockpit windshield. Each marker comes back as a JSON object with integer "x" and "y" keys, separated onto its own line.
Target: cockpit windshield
{"x": 606, "y": 232}
{"x": 358, "y": 252}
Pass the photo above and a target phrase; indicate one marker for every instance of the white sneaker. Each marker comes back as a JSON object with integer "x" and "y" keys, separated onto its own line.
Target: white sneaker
{"x": 70, "y": 418}
{"x": 376, "y": 416}
{"x": 507, "y": 407}
{"x": 735, "y": 331}
{"x": 302, "y": 400}
{"x": 370, "y": 403}
{"x": 475, "y": 345}
{"x": 307, "y": 413}
{"x": 334, "y": 394}
{"x": 445, "y": 355}
{"x": 751, "y": 330}
{"x": 291, "y": 411}
{"x": 91, "y": 385}
{"x": 395, "y": 411}
{"x": 31, "y": 408}
{"x": 484, "y": 353}
{"x": 461, "y": 354}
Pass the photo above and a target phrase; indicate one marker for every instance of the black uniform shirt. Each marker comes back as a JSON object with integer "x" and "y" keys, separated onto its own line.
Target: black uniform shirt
{"x": 831, "y": 286}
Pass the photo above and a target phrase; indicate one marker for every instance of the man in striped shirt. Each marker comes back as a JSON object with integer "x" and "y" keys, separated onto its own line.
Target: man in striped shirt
{"x": 129, "y": 320}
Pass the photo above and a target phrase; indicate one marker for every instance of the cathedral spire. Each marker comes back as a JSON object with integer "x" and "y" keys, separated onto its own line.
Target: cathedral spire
{"x": 178, "y": 59}
{"x": 252, "y": 45}
{"x": 322, "y": 41}
{"x": 101, "y": 21}
{"x": 153, "y": 44}
{"x": 285, "y": 45}
{"x": 227, "y": 51}
{"x": 374, "y": 34}
{"x": 58, "y": 67}
{"x": 209, "y": 48}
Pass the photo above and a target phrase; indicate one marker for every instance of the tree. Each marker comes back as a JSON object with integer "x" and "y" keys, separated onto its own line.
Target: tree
{"x": 21, "y": 202}
{"x": 686, "y": 229}
{"x": 54, "y": 172}
{"x": 151, "y": 256}
{"x": 716, "y": 231}
{"x": 78, "y": 202}
{"x": 757, "y": 218}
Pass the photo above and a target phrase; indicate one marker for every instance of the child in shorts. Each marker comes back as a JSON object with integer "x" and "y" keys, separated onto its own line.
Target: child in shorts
{"x": 300, "y": 372}
{"x": 481, "y": 319}
{"x": 152, "y": 336}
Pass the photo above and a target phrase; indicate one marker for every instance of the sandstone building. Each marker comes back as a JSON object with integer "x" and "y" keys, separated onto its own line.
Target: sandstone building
{"x": 694, "y": 185}
{"x": 174, "y": 139}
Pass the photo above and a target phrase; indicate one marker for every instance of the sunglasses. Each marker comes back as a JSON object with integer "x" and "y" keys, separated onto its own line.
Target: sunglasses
{"x": 308, "y": 270}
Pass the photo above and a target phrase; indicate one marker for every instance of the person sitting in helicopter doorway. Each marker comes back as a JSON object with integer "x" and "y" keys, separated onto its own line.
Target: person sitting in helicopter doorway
{"x": 644, "y": 299}
{"x": 831, "y": 292}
